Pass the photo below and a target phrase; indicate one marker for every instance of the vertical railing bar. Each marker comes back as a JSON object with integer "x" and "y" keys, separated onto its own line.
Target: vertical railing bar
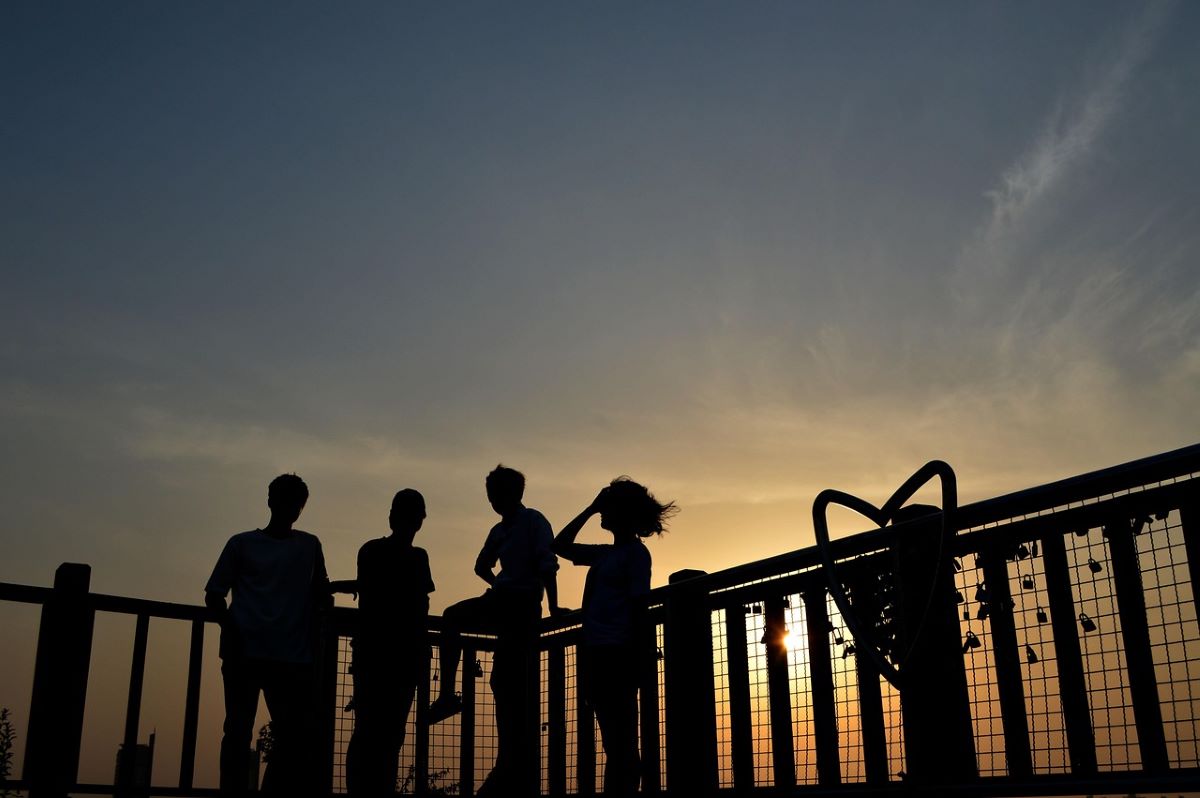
{"x": 1009, "y": 684}
{"x": 1143, "y": 684}
{"x": 126, "y": 757}
{"x": 1189, "y": 519}
{"x": 648, "y": 709}
{"x": 585, "y": 733}
{"x": 741, "y": 728}
{"x": 191, "y": 710}
{"x": 782, "y": 741}
{"x": 556, "y": 719}
{"x": 870, "y": 695}
{"x": 466, "y": 729}
{"x": 825, "y": 729}
{"x": 1081, "y": 740}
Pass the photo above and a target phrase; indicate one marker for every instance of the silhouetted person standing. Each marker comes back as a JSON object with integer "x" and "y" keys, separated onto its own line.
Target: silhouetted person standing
{"x": 391, "y": 646}
{"x": 613, "y": 601}
{"x": 277, "y": 575}
{"x": 511, "y": 607}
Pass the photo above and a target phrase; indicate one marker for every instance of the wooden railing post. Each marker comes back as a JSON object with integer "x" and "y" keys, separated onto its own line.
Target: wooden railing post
{"x": 863, "y": 588}
{"x": 825, "y": 729}
{"x": 691, "y": 699}
{"x": 1009, "y": 684}
{"x": 1135, "y": 634}
{"x": 60, "y": 677}
{"x": 783, "y": 743}
{"x": 741, "y": 729}
{"x": 939, "y": 740}
{"x": 648, "y": 720}
{"x": 1072, "y": 684}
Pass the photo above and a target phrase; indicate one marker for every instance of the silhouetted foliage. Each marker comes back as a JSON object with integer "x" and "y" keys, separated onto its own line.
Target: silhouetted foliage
{"x": 8, "y": 736}
{"x": 266, "y": 742}
{"x": 433, "y": 784}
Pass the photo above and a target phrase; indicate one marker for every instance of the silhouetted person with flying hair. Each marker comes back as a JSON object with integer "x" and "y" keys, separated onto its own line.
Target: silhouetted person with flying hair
{"x": 268, "y": 640}
{"x": 390, "y": 646}
{"x": 618, "y": 580}
{"x": 511, "y": 608}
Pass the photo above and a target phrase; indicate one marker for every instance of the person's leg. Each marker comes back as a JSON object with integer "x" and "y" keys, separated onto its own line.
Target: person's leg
{"x": 472, "y": 612}
{"x": 516, "y": 693}
{"x": 358, "y": 752}
{"x": 288, "y": 689}
{"x": 241, "y": 705}
{"x": 612, "y": 694}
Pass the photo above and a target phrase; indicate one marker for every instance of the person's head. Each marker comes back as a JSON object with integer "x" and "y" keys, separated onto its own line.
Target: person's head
{"x": 408, "y": 512}
{"x": 505, "y": 489}
{"x": 286, "y": 496}
{"x": 629, "y": 507}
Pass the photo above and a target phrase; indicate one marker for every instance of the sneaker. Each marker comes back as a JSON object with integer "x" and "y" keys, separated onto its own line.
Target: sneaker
{"x": 443, "y": 707}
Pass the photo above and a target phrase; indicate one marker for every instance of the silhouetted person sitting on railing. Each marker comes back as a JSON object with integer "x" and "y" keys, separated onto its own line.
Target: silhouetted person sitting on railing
{"x": 617, "y": 581}
{"x": 268, "y": 635}
{"x": 510, "y": 608}
{"x": 390, "y": 645}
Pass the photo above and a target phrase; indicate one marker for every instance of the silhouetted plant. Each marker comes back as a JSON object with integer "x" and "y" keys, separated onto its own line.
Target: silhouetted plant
{"x": 433, "y": 784}
{"x": 266, "y": 742}
{"x": 8, "y": 736}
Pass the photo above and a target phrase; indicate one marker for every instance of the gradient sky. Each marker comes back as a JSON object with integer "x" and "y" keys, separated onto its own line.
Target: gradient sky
{"x": 740, "y": 252}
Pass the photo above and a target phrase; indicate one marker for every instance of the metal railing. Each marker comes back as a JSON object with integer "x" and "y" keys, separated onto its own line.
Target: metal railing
{"x": 1076, "y": 630}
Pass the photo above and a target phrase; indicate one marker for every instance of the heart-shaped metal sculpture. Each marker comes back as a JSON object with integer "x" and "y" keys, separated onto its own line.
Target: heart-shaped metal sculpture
{"x": 882, "y": 516}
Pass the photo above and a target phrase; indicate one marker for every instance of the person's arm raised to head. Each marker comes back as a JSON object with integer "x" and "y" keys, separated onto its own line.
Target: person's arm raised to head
{"x": 564, "y": 541}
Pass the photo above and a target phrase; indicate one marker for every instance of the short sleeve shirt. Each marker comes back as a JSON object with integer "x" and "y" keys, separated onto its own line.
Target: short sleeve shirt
{"x": 394, "y": 583}
{"x": 274, "y": 583}
{"x": 523, "y": 551}
{"x": 619, "y": 575}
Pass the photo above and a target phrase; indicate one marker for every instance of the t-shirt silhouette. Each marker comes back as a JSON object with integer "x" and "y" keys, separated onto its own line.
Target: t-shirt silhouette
{"x": 619, "y": 574}
{"x": 394, "y": 584}
{"x": 523, "y": 551}
{"x": 274, "y": 582}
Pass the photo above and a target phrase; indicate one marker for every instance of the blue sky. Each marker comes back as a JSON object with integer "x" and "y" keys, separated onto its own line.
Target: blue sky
{"x": 740, "y": 252}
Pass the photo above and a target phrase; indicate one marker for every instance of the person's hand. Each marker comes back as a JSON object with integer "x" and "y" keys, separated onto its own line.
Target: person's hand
{"x": 598, "y": 503}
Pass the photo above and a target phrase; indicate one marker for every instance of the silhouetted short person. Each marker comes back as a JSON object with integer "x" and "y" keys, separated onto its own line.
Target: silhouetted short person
{"x": 613, "y": 600}
{"x": 511, "y": 607}
{"x": 391, "y": 646}
{"x": 277, "y": 575}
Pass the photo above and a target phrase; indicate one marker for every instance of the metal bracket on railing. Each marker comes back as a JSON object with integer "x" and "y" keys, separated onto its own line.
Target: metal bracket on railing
{"x": 893, "y": 671}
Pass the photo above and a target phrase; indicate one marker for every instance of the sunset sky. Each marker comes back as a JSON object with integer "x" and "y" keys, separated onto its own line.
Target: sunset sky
{"x": 740, "y": 252}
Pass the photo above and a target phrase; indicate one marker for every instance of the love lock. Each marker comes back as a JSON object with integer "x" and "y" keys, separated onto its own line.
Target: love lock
{"x": 891, "y": 664}
{"x": 1030, "y": 655}
{"x": 971, "y": 642}
{"x": 1094, "y": 566}
{"x": 1042, "y": 617}
{"x": 1027, "y": 583}
{"x": 1086, "y": 623}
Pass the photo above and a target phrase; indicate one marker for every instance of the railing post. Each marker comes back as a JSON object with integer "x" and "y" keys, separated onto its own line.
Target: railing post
{"x": 585, "y": 732}
{"x": 466, "y": 729}
{"x": 1189, "y": 519}
{"x": 829, "y": 768}
{"x": 556, "y": 719}
{"x": 1135, "y": 632}
{"x": 60, "y": 678}
{"x": 741, "y": 730}
{"x": 1081, "y": 740}
{"x": 783, "y": 757}
{"x": 1009, "y": 684}
{"x": 939, "y": 740}
{"x": 324, "y": 714}
{"x": 127, "y": 756}
{"x": 691, "y": 700}
{"x": 191, "y": 710}
{"x": 863, "y": 596}
{"x": 648, "y": 708}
